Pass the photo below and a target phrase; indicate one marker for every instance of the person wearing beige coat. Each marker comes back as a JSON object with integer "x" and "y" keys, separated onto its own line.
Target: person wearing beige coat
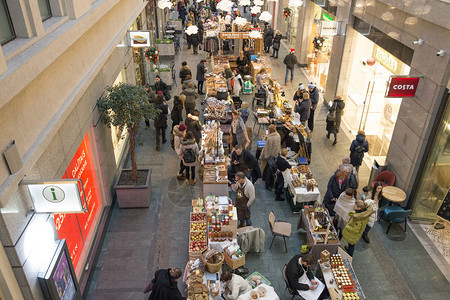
{"x": 272, "y": 147}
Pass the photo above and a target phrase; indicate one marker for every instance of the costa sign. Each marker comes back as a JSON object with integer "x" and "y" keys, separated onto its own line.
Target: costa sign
{"x": 402, "y": 86}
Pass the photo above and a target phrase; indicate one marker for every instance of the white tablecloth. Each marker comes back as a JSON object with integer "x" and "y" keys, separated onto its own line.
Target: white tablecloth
{"x": 302, "y": 195}
{"x": 270, "y": 295}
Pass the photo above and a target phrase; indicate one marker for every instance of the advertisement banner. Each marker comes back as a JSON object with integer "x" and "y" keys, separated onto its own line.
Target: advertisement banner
{"x": 140, "y": 39}
{"x": 402, "y": 87}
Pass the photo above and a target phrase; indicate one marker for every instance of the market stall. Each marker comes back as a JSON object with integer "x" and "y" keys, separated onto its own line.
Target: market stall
{"x": 253, "y": 44}
{"x": 261, "y": 62}
{"x": 303, "y": 187}
{"x": 320, "y": 232}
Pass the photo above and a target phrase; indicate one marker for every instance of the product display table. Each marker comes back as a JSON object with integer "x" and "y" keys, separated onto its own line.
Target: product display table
{"x": 302, "y": 195}
{"x": 316, "y": 248}
{"x": 394, "y": 194}
{"x": 270, "y": 295}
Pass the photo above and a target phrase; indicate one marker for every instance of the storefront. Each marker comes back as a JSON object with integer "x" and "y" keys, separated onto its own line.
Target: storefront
{"x": 366, "y": 107}
{"x": 324, "y": 27}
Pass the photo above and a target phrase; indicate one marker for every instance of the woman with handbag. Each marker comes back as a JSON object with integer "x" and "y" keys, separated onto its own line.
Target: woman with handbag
{"x": 334, "y": 118}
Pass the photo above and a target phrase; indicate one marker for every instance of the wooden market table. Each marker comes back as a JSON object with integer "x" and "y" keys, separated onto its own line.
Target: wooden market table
{"x": 394, "y": 194}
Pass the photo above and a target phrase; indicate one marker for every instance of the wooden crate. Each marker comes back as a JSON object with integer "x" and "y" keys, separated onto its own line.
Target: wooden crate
{"x": 234, "y": 263}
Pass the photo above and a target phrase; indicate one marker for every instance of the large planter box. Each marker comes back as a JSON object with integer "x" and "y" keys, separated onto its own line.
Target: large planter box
{"x": 179, "y": 27}
{"x": 134, "y": 196}
{"x": 166, "y": 51}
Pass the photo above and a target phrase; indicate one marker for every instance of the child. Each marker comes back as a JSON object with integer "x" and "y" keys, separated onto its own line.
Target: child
{"x": 355, "y": 228}
{"x": 244, "y": 111}
{"x": 248, "y": 86}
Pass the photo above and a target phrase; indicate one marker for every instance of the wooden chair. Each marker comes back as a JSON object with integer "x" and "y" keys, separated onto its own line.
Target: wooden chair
{"x": 279, "y": 229}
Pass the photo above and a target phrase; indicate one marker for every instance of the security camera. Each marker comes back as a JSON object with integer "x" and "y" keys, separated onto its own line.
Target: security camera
{"x": 418, "y": 42}
{"x": 441, "y": 53}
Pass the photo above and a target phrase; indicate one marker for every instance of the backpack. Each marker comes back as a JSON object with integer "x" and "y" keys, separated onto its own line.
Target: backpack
{"x": 359, "y": 151}
{"x": 189, "y": 156}
{"x": 331, "y": 116}
{"x": 352, "y": 181}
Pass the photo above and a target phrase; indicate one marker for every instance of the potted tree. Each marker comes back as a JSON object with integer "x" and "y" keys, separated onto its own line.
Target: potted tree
{"x": 125, "y": 106}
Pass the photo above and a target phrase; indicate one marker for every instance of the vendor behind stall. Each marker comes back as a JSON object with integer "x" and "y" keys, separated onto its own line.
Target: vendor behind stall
{"x": 243, "y": 161}
{"x": 245, "y": 195}
{"x": 239, "y": 131}
{"x": 235, "y": 285}
{"x": 298, "y": 268}
{"x": 283, "y": 167}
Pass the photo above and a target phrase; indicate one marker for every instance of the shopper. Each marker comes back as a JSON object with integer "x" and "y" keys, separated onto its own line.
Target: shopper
{"x": 244, "y": 111}
{"x": 302, "y": 107}
{"x": 182, "y": 12}
{"x": 351, "y": 171}
{"x": 228, "y": 74}
{"x": 239, "y": 131}
{"x": 201, "y": 30}
{"x": 268, "y": 39}
{"x": 184, "y": 71}
{"x": 355, "y": 227}
{"x": 245, "y": 195}
{"x": 259, "y": 79}
{"x": 283, "y": 167}
{"x": 298, "y": 269}
{"x": 238, "y": 83}
{"x": 161, "y": 86}
{"x": 290, "y": 61}
{"x": 276, "y": 43}
{"x": 357, "y": 149}
{"x": 272, "y": 146}
{"x": 187, "y": 81}
{"x": 374, "y": 200}
{"x": 314, "y": 97}
{"x": 193, "y": 125}
{"x": 243, "y": 161}
{"x": 242, "y": 63}
{"x": 344, "y": 205}
{"x": 160, "y": 122}
{"x": 300, "y": 92}
{"x": 195, "y": 41}
{"x": 333, "y": 118}
{"x": 179, "y": 132}
{"x": 201, "y": 71}
{"x": 337, "y": 184}
{"x": 177, "y": 111}
{"x": 189, "y": 154}
{"x": 235, "y": 285}
{"x": 164, "y": 285}
{"x": 151, "y": 99}
{"x": 191, "y": 98}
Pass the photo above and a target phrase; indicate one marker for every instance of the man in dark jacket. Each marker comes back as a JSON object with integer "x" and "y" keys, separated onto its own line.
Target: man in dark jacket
{"x": 268, "y": 37}
{"x": 184, "y": 71}
{"x": 282, "y": 164}
{"x": 151, "y": 99}
{"x": 303, "y": 106}
{"x": 243, "y": 161}
{"x": 193, "y": 125}
{"x": 165, "y": 285}
{"x": 201, "y": 71}
{"x": 182, "y": 12}
{"x": 295, "y": 269}
{"x": 195, "y": 40}
{"x": 314, "y": 97}
{"x": 358, "y": 148}
{"x": 160, "y": 122}
{"x": 161, "y": 86}
{"x": 290, "y": 61}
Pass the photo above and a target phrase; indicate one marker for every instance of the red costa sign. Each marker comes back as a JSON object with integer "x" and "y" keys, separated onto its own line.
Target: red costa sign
{"x": 402, "y": 87}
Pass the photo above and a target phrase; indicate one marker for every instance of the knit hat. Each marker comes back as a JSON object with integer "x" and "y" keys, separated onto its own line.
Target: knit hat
{"x": 301, "y": 86}
{"x": 346, "y": 160}
{"x": 160, "y": 93}
{"x": 292, "y": 50}
{"x": 182, "y": 127}
{"x": 311, "y": 85}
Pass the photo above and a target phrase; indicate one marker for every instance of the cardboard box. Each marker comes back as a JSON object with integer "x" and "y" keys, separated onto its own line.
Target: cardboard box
{"x": 234, "y": 263}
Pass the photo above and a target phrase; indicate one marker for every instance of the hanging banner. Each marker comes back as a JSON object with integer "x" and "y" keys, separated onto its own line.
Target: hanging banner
{"x": 139, "y": 39}
{"x": 402, "y": 86}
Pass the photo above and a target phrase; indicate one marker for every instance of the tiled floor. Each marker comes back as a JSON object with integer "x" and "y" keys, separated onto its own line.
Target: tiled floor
{"x": 140, "y": 241}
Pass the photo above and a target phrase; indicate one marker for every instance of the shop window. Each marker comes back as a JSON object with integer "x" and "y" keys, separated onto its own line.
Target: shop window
{"x": 44, "y": 8}
{"x": 435, "y": 179}
{"x": 6, "y": 27}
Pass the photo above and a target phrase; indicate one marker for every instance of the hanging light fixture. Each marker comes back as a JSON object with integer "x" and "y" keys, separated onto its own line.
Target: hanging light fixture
{"x": 224, "y": 5}
{"x": 254, "y": 34}
{"x": 255, "y": 9}
{"x": 295, "y": 3}
{"x": 240, "y": 21}
{"x": 265, "y": 16}
{"x": 244, "y": 2}
{"x": 165, "y": 4}
{"x": 258, "y": 2}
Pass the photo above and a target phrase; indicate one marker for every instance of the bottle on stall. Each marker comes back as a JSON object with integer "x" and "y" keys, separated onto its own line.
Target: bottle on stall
{"x": 230, "y": 207}
{"x": 227, "y": 220}
{"x": 231, "y": 235}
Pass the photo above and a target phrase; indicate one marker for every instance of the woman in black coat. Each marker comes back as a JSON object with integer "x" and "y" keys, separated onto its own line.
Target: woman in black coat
{"x": 276, "y": 43}
{"x": 358, "y": 148}
{"x": 337, "y": 184}
{"x": 333, "y": 125}
{"x": 177, "y": 111}
{"x": 160, "y": 122}
{"x": 165, "y": 285}
{"x": 282, "y": 165}
{"x": 268, "y": 37}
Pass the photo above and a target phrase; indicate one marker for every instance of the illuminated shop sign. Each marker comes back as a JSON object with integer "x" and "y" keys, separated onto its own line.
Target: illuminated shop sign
{"x": 139, "y": 39}
{"x": 402, "y": 86}
{"x": 386, "y": 59}
{"x": 329, "y": 28}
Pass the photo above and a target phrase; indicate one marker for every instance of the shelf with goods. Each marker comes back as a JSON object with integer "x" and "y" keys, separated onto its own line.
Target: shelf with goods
{"x": 320, "y": 225}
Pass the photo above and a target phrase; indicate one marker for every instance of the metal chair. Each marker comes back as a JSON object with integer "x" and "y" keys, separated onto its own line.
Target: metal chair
{"x": 291, "y": 291}
{"x": 386, "y": 178}
{"x": 279, "y": 229}
{"x": 395, "y": 214}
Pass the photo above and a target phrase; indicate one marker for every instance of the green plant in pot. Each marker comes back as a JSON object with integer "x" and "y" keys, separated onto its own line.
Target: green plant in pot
{"x": 125, "y": 106}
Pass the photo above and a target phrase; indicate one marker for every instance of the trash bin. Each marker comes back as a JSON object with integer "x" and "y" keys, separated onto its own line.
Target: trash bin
{"x": 379, "y": 165}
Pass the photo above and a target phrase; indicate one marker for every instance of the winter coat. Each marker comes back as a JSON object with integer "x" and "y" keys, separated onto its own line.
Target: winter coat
{"x": 161, "y": 86}
{"x": 355, "y": 228}
{"x": 299, "y": 95}
{"x": 239, "y": 129}
{"x": 237, "y": 286}
{"x": 177, "y": 137}
{"x": 344, "y": 206}
{"x": 245, "y": 112}
{"x": 272, "y": 147}
{"x": 201, "y": 71}
{"x": 334, "y": 125}
{"x": 304, "y": 109}
{"x": 161, "y": 119}
{"x": 151, "y": 96}
{"x": 356, "y": 157}
{"x": 242, "y": 64}
{"x": 314, "y": 97}
{"x": 189, "y": 144}
{"x": 334, "y": 191}
{"x": 269, "y": 172}
{"x": 194, "y": 39}
{"x": 374, "y": 216}
{"x": 191, "y": 98}
{"x": 184, "y": 71}
{"x": 193, "y": 125}
{"x": 294, "y": 271}
{"x": 290, "y": 61}
{"x": 164, "y": 288}
{"x": 237, "y": 85}
{"x": 182, "y": 12}
{"x": 249, "y": 159}
{"x": 268, "y": 37}
{"x": 282, "y": 165}
{"x": 186, "y": 83}
{"x": 177, "y": 111}
{"x": 277, "y": 42}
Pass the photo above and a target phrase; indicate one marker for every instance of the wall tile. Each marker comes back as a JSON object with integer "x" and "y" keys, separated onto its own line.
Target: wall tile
{"x": 414, "y": 116}
{"x": 406, "y": 138}
{"x": 430, "y": 65}
{"x": 399, "y": 161}
{"x": 426, "y": 91}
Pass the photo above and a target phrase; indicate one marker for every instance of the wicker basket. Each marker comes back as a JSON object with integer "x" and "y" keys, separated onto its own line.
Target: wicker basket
{"x": 212, "y": 267}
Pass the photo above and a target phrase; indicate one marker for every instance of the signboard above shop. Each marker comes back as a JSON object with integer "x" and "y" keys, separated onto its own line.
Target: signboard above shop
{"x": 402, "y": 86}
{"x": 328, "y": 28}
{"x": 139, "y": 39}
